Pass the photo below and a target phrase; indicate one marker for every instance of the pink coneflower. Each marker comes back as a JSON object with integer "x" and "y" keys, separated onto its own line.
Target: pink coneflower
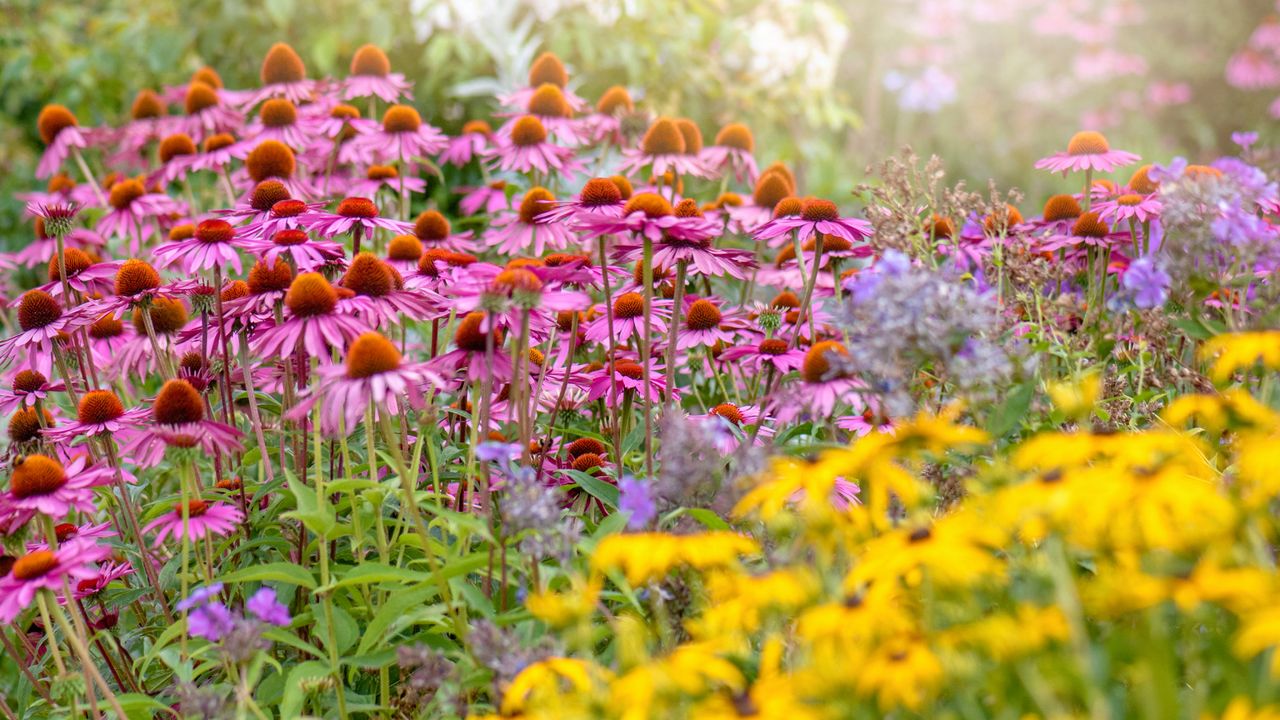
{"x": 342, "y": 125}
{"x": 867, "y": 422}
{"x": 62, "y": 135}
{"x": 45, "y": 247}
{"x": 605, "y": 124}
{"x": 137, "y": 282}
{"x": 816, "y": 216}
{"x": 648, "y": 215}
{"x": 704, "y": 326}
{"x": 1129, "y": 207}
{"x": 549, "y": 106}
{"x": 822, "y": 386}
{"x": 208, "y": 112}
{"x": 371, "y": 76}
{"x": 278, "y": 119}
{"x": 599, "y": 196}
{"x": 433, "y": 230}
{"x": 663, "y": 149}
{"x": 255, "y": 207}
{"x": 629, "y": 376}
{"x": 403, "y": 137}
{"x": 289, "y": 214}
{"x": 312, "y": 321}
{"x": 306, "y": 253}
{"x": 1087, "y": 150}
{"x": 135, "y": 214}
{"x": 28, "y": 388}
{"x": 177, "y": 154}
{"x": 732, "y": 150}
{"x": 379, "y": 177}
{"x": 42, "y": 321}
{"x": 106, "y": 574}
{"x": 212, "y": 246}
{"x": 470, "y": 352}
{"x": 379, "y": 295}
{"x": 773, "y": 197}
{"x": 178, "y": 412}
{"x": 473, "y": 141}
{"x": 518, "y": 290}
{"x": 519, "y": 232}
{"x": 728, "y": 423}
{"x": 526, "y": 149}
{"x": 283, "y": 75}
{"x": 65, "y": 532}
{"x": 488, "y": 199}
{"x": 202, "y": 518}
{"x": 374, "y": 375}
{"x": 40, "y": 484}
{"x": 547, "y": 68}
{"x": 1088, "y": 230}
{"x": 628, "y": 318}
{"x": 773, "y": 353}
{"x": 1249, "y": 69}
{"x": 355, "y": 214}
{"x": 47, "y": 570}
{"x": 100, "y": 412}
{"x": 273, "y": 160}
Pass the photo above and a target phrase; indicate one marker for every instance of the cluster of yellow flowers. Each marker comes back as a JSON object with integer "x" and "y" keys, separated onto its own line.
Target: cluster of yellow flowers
{"x": 1128, "y": 574}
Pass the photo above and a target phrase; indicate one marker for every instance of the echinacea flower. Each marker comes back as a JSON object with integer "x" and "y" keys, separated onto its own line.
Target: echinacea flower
{"x": 211, "y": 247}
{"x": 379, "y": 296}
{"x": 283, "y": 75}
{"x": 823, "y": 386}
{"x": 28, "y": 388}
{"x": 434, "y": 230}
{"x": 628, "y": 376}
{"x": 774, "y": 353}
{"x": 704, "y": 326}
{"x": 526, "y": 148}
{"x": 628, "y": 318}
{"x": 1129, "y": 207}
{"x": 178, "y": 420}
{"x": 100, "y": 412}
{"x": 84, "y": 276}
{"x": 473, "y": 141}
{"x": 600, "y": 196}
{"x": 135, "y": 214}
{"x": 549, "y": 106}
{"x": 306, "y": 253}
{"x": 47, "y": 570}
{"x": 472, "y": 343}
{"x": 371, "y": 76}
{"x": 486, "y": 198}
{"x": 200, "y": 518}
{"x": 546, "y": 68}
{"x": 41, "y": 484}
{"x": 279, "y": 119}
{"x": 662, "y": 150}
{"x": 374, "y": 375}
{"x": 208, "y": 112}
{"x": 311, "y": 322}
{"x": 732, "y": 151}
{"x": 816, "y": 216}
{"x": 520, "y": 232}
{"x": 355, "y": 213}
{"x": 403, "y": 137}
{"x": 772, "y": 188}
{"x": 380, "y": 177}
{"x": 1087, "y": 150}
{"x": 62, "y": 135}
{"x": 42, "y": 321}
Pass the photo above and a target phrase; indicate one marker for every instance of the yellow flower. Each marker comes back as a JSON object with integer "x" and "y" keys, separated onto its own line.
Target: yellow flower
{"x": 1007, "y": 637}
{"x": 1116, "y": 590}
{"x": 955, "y": 551}
{"x": 1234, "y": 408}
{"x": 1240, "y": 590}
{"x": 543, "y": 685}
{"x": 1242, "y": 709}
{"x": 647, "y": 556}
{"x": 1259, "y": 632}
{"x": 902, "y": 672}
{"x": 736, "y": 602}
{"x": 690, "y": 671}
{"x": 561, "y": 609}
{"x": 1076, "y": 399}
{"x": 1238, "y": 351}
{"x": 1258, "y": 468}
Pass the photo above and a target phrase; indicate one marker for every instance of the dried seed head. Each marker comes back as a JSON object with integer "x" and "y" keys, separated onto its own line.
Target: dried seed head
{"x": 528, "y": 131}
{"x": 651, "y": 204}
{"x": 200, "y": 96}
{"x": 737, "y": 136}
{"x": 125, "y": 192}
{"x": 146, "y": 105}
{"x": 371, "y": 61}
{"x": 278, "y": 113}
{"x": 537, "y": 201}
{"x": 663, "y": 138}
{"x": 282, "y": 65}
{"x": 817, "y": 362}
{"x": 548, "y": 101}
{"x": 1088, "y": 142}
{"x": 368, "y": 276}
{"x": 613, "y": 100}
{"x": 404, "y": 247}
{"x": 38, "y": 309}
{"x": 431, "y": 226}
{"x": 548, "y": 69}
{"x": 1061, "y": 207}
{"x": 99, "y": 406}
{"x": 52, "y": 120}
{"x": 371, "y": 354}
{"x": 703, "y": 315}
{"x": 270, "y": 159}
{"x": 310, "y": 295}
{"x": 266, "y": 194}
{"x": 264, "y": 278}
{"x": 178, "y": 403}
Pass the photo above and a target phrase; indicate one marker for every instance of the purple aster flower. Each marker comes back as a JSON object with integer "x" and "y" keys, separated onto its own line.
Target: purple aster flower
{"x": 634, "y": 497}
{"x": 267, "y": 608}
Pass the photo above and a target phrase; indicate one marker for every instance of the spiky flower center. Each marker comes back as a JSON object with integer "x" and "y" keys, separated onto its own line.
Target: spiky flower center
{"x": 1061, "y": 207}
{"x": 208, "y": 76}
{"x": 289, "y": 237}
{"x": 146, "y": 105}
{"x": 1089, "y": 225}
{"x": 628, "y": 305}
{"x": 623, "y": 184}
{"x": 703, "y": 315}
{"x": 431, "y": 226}
{"x": 613, "y": 100}
{"x": 729, "y": 412}
{"x": 357, "y": 207}
{"x": 818, "y": 210}
{"x": 476, "y": 127}
{"x": 235, "y": 290}
{"x": 1141, "y": 181}
{"x": 194, "y": 508}
{"x": 562, "y": 259}
{"x": 548, "y": 69}
{"x": 99, "y": 406}
{"x": 651, "y": 204}
{"x": 24, "y": 426}
{"x": 264, "y": 278}
{"x": 737, "y": 136}
{"x": 368, "y": 276}
{"x": 770, "y": 189}
{"x": 106, "y": 327}
{"x": 310, "y": 295}
{"x": 401, "y": 119}
{"x": 382, "y": 172}
{"x": 60, "y": 184}
{"x": 785, "y": 299}
{"x": 687, "y": 208}
{"x": 200, "y": 96}
{"x": 266, "y": 194}
{"x": 168, "y": 316}
{"x": 215, "y": 231}
{"x": 176, "y": 145}
{"x": 404, "y": 247}
{"x": 599, "y": 192}
{"x": 38, "y": 309}
{"x": 26, "y": 381}
{"x": 528, "y": 131}
{"x": 278, "y": 113}
{"x": 1088, "y": 142}
{"x": 628, "y": 369}
{"x": 178, "y": 403}
{"x": 773, "y": 346}
{"x": 1130, "y": 200}
{"x": 77, "y": 261}
{"x": 549, "y": 101}
{"x": 518, "y": 280}
{"x": 371, "y": 354}
{"x": 123, "y": 193}
{"x": 817, "y": 361}
{"x": 587, "y": 462}
{"x": 34, "y": 565}
{"x": 35, "y": 475}
{"x": 370, "y": 61}
{"x": 136, "y": 276}
{"x": 692, "y": 135}
{"x": 663, "y": 138}
{"x": 282, "y": 65}
{"x": 586, "y": 445}
{"x": 789, "y": 206}
{"x": 470, "y": 337}
{"x": 537, "y": 201}
{"x": 53, "y": 119}
{"x": 270, "y": 159}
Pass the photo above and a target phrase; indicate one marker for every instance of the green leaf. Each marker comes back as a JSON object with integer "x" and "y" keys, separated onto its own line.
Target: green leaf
{"x": 596, "y": 488}
{"x": 317, "y": 516}
{"x": 1012, "y": 410}
{"x": 294, "y": 694}
{"x": 709, "y": 519}
{"x": 284, "y": 572}
{"x": 369, "y": 573}
{"x": 397, "y": 605}
{"x": 345, "y": 629}
{"x": 143, "y": 707}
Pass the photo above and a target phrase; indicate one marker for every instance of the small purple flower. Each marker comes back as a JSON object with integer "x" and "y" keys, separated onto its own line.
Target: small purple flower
{"x": 267, "y": 608}
{"x": 1237, "y": 226}
{"x": 211, "y": 621}
{"x": 200, "y": 596}
{"x": 634, "y": 497}
{"x": 1244, "y": 139}
{"x": 1146, "y": 283}
{"x": 1168, "y": 173}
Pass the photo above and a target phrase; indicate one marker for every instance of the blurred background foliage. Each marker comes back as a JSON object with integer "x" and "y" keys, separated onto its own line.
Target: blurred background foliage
{"x": 827, "y": 85}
